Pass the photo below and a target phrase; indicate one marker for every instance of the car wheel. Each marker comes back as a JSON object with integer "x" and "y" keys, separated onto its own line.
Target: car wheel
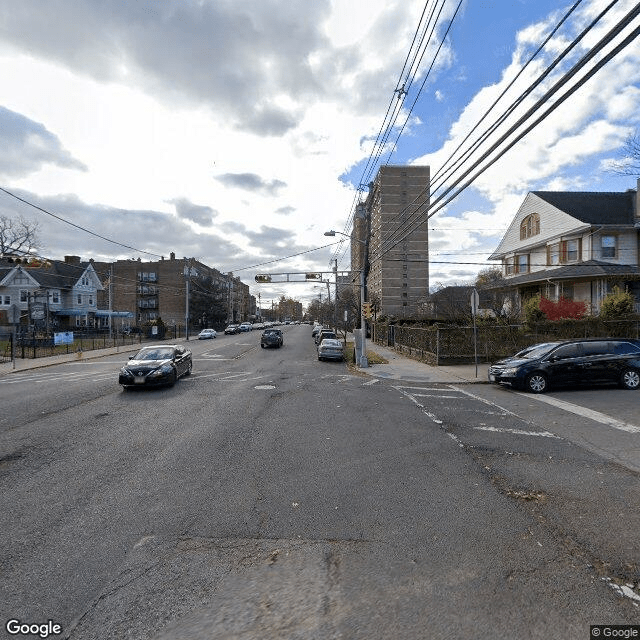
{"x": 536, "y": 383}
{"x": 174, "y": 378}
{"x": 262, "y": 346}
{"x": 188, "y": 371}
{"x": 630, "y": 379}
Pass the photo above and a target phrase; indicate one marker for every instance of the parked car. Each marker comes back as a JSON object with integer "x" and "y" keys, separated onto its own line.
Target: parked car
{"x": 156, "y": 365}
{"x": 330, "y": 349}
{"x": 271, "y": 338}
{"x": 232, "y": 328}
{"x": 206, "y": 334}
{"x": 325, "y": 333}
{"x": 246, "y": 326}
{"x": 316, "y": 329}
{"x": 540, "y": 366}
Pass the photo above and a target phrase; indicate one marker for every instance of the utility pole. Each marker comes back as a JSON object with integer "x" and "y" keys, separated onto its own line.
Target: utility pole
{"x": 187, "y": 277}
{"x": 110, "y": 301}
{"x": 335, "y": 297}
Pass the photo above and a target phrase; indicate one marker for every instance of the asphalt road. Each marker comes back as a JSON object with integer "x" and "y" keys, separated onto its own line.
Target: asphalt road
{"x": 270, "y": 495}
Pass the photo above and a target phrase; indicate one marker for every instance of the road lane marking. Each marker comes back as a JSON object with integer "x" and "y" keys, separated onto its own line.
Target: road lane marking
{"x": 585, "y": 413}
{"x": 430, "y": 415}
{"x": 520, "y": 432}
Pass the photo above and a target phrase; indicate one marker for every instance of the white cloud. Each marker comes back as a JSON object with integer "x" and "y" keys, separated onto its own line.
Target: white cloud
{"x": 205, "y": 121}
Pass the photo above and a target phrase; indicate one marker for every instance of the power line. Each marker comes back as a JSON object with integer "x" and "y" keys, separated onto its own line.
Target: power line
{"x": 419, "y": 216}
{"x": 77, "y": 226}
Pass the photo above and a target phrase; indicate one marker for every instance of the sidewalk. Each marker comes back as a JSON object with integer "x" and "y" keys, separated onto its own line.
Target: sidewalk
{"x": 409, "y": 370}
{"x": 24, "y": 364}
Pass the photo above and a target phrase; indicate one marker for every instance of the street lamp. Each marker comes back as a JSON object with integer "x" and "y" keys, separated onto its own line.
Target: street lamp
{"x": 364, "y": 363}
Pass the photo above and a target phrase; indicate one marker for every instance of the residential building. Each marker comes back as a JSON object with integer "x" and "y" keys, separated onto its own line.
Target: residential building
{"x": 575, "y": 245}
{"x": 161, "y": 289}
{"x": 51, "y": 294}
{"x": 391, "y": 226}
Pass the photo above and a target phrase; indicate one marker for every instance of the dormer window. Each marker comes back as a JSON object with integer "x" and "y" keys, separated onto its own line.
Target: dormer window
{"x": 530, "y": 226}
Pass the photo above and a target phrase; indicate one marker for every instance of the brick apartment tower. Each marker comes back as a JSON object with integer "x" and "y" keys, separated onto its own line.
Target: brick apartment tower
{"x": 398, "y": 276}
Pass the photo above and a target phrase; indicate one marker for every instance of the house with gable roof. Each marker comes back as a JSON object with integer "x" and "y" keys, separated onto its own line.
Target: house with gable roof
{"x": 575, "y": 245}
{"x": 55, "y": 294}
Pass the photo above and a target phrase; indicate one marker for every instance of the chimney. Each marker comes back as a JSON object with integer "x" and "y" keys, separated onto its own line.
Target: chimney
{"x": 172, "y": 255}
{"x": 72, "y": 259}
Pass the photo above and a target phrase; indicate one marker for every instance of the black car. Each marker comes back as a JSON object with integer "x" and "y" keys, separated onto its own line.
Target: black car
{"x": 156, "y": 366}
{"x": 540, "y": 366}
{"x": 271, "y": 338}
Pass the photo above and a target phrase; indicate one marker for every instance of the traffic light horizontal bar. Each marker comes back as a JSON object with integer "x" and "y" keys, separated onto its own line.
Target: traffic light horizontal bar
{"x": 299, "y": 276}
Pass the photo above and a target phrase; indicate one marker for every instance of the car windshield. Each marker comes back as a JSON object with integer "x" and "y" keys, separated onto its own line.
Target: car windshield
{"x": 327, "y": 342}
{"x": 536, "y": 351}
{"x": 151, "y": 353}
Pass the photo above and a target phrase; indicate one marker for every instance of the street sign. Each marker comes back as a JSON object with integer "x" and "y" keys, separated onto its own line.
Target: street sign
{"x": 37, "y": 311}
{"x": 263, "y": 277}
{"x": 475, "y": 302}
{"x": 313, "y": 276}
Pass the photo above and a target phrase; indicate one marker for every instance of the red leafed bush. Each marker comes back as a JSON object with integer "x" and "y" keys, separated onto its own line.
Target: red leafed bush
{"x": 562, "y": 309}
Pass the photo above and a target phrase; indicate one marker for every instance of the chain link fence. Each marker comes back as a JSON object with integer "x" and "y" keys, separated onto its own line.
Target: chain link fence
{"x": 441, "y": 345}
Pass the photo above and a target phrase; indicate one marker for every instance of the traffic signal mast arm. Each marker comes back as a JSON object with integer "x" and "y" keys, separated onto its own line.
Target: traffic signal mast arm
{"x": 297, "y": 276}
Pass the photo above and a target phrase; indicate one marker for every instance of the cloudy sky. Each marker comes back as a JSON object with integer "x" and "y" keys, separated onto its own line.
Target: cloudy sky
{"x": 238, "y": 131}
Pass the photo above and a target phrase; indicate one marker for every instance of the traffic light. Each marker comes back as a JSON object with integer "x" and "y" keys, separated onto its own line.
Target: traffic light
{"x": 263, "y": 277}
{"x": 366, "y": 310}
{"x": 314, "y": 276}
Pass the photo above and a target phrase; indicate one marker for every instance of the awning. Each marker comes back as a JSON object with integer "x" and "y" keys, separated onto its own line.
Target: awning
{"x": 70, "y": 312}
{"x": 105, "y": 313}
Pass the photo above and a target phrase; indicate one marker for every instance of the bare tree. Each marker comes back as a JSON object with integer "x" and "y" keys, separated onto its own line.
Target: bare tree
{"x": 18, "y": 236}
{"x": 629, "y": 164}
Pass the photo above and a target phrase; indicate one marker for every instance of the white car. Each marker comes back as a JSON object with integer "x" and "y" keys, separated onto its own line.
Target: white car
{"x": 205, "y": 334}
{"x": 331, "y": 349}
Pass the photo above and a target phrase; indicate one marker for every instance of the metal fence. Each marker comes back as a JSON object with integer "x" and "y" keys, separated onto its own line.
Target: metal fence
{"x": 29, "y": 344}
{"x": 456, "y": 345}
{"x": 5, "y": 347}
{"x": 38, "y": 346}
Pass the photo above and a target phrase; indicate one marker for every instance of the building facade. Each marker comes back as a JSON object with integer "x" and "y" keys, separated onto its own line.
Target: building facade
{"x": 50, "y": 295}
{"x": 172, "y": 289}
{"x": 574, "y": 245}
{"x": 391, "y": 228}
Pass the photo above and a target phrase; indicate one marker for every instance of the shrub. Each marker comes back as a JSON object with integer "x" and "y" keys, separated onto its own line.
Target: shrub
{"x": 617, "y": 304}
{"x": 562, "y": 309}
{"x": 532, "y": 311}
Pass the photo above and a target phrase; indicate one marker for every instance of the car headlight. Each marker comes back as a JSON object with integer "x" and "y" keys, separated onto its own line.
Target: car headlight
{"x": 161, "y": 371}
{"x": 125, "y": 372}
{"x": 511, "y": 371}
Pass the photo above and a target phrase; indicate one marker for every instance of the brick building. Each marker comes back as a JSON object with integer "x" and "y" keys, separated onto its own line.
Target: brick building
{"x": 158, "y": 289}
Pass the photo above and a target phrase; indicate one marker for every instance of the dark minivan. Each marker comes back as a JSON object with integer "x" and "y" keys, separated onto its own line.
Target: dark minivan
{"x": 540, "y": 366}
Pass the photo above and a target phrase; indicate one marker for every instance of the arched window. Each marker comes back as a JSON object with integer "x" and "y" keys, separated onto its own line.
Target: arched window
{"x": 530, "y": 226}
